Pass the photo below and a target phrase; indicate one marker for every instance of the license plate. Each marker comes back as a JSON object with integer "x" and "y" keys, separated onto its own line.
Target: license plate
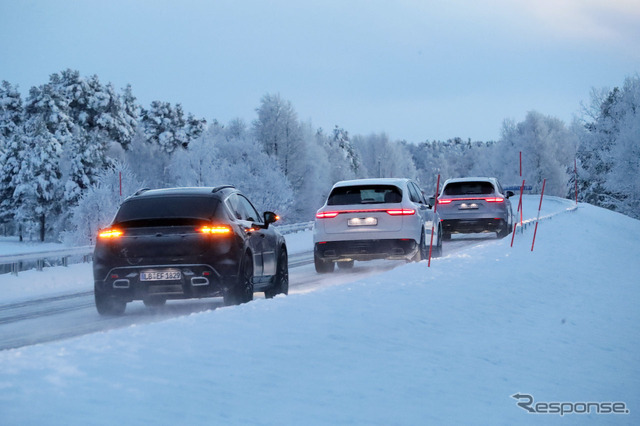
{"x": 465, "y": 206}
{"x": 166, "y": 275}
{"x": 362, "y": 221}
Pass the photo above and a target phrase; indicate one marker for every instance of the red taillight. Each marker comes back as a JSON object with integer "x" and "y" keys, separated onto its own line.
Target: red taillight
{"x": 487, "y": 199}
{"x": 326, "y": 215}
{"x": 392, "y": 212}
{"x": 215, "y": 230}
{"x": 401, "y": 212}
{"x": 110, "y": 233}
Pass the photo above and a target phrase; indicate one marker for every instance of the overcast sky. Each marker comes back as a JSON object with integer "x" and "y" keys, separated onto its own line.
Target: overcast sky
{"x": 416, "y": 70}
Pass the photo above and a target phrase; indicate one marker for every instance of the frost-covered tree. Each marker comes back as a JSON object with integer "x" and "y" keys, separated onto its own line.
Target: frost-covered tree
{"x": 278, "y": 130}
{"x": 343, "y": 158}
{"x": 100, "y": 119}
{"x": 167, "y": 127}
{"x": 609, "y": 149}
{"x": 38, "y": 188}
{"x": 150, "y": 162}
{"x": 548, "y": 149}
{"x": 198, "y": 164}
{"x": 11, "y": 111}
{"x": 11, "y": 139}
{"x": 99, "y": 203}
{"x": 383, "y": 158}
{"x": 230, "y": 155}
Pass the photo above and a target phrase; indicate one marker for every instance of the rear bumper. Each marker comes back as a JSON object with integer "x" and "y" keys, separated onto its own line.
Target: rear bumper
{"x": 366, "y": 249}
{"x": 197, "y": 280}
{"x": 467, "y": 226}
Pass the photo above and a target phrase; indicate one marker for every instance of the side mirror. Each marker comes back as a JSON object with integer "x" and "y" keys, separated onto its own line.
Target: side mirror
{"x": 269, "y": 218}
{"x": 510, "y": 194}
{"x": 431, "y": 201}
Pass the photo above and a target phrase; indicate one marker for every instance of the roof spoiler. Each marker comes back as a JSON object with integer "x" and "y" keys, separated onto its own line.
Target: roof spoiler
{"x": 221, "y": 187}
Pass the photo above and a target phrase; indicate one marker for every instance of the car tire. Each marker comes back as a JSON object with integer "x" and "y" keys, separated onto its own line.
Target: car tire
{"x": 323, "y": 266}
{"x": 423, "y": 250}
{"x": 346, "y": 265}
{"x": 243, "y": 290}
{"x": 281, "y": 280}
{"x": 436, "y": 251}
{"x": 109, "y": 305}
{"x": 506, "y": 230}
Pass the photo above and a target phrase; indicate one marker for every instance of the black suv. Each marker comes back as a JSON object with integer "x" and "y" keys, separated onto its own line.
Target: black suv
{"x": 182, "y": 243}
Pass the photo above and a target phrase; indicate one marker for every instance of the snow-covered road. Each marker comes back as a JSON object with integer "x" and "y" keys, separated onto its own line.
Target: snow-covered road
{"x": 60, "y": 315}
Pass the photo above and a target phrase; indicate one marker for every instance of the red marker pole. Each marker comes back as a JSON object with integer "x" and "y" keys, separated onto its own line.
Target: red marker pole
{"x": 520, "y": 163}
{"x": 539, "y": 207}
{"x": 513, "y": 234}
{"x": 435, "y": 209}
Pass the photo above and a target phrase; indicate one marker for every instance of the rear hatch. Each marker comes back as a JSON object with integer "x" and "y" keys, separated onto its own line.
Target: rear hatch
{"x": 361, "y": 209}
{"x": 468, "y": 197}
{"x": 160, "y": 227}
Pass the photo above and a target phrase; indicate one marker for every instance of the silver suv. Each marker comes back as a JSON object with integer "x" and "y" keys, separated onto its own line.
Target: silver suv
{"x": 475, "y": 204}
{"x": 368, "y": 219}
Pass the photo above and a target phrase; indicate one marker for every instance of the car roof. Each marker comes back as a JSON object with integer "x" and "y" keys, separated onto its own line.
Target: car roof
{"x": 181, "y": 191}
{"x": 492, "y": 180}
{"x": 371, "y": 181}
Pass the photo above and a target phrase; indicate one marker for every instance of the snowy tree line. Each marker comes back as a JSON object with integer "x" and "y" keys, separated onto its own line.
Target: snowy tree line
{"x": 75, "y": 148}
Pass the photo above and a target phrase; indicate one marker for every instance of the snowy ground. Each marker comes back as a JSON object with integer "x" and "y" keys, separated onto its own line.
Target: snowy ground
{"x": 448, "y": 344}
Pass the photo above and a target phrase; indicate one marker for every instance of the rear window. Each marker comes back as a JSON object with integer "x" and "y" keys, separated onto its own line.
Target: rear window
{"x": 167, "y": 210}
{"x": 365, "y": 194}
{"x": 468, "y": 188}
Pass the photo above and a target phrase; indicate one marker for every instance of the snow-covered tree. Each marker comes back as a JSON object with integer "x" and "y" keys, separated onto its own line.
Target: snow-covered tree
{"x": 278, "y": 130}
{"x": 383, "y": 158}
{"x": 230, "y": 155}
{"x": 548, "y": 149}
{"x": 167, "y": 127}
{"x": 609, "y": 149}
{"x": 38, "y": 188}
{"x": 11, "y": 117}
{"x": 99, "y": 204}
{"x": 342, "y": 156}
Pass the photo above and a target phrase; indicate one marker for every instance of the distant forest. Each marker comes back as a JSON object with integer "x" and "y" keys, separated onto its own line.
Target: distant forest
{"x": 76, "y": 147}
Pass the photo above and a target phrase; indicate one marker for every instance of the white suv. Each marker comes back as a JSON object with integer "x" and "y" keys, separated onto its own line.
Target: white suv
{"x": 368, "y": 219}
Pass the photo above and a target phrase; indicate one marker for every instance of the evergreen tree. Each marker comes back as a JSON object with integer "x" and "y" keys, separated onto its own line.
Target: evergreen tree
{"x": 166, "y": 126}
{"x": 38, "y": 188}
{"x": 11, "y": 117}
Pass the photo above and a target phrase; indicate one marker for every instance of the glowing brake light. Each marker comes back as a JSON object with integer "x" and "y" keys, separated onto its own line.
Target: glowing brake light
{"x": 401, "y": 212}
{"x": 487, "y": 199}
{"x": 326, "y": 215}
{"x": 110, "y": 233}
{"x": 392, "y": 212}
{"x": 215, "y": 230}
